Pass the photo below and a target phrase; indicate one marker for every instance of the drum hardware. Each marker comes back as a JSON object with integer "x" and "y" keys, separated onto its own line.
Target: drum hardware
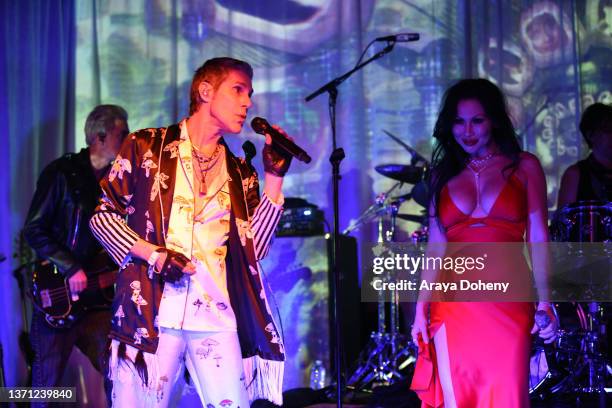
{"x": 587, "y": 367}
{"x": 382, "y": 208}
{"x": 590, "y": 375}
{"x": 408, "y": 174}
{"x": 388, "y": 352}
{"x": 420, "y": 235}
{"x": 583, "y": 221}
{"x": 376, "y": 210}
{"x": 588, "y": 222}
{"x": 383, "y": 360}
{"x": 578, "y": 363}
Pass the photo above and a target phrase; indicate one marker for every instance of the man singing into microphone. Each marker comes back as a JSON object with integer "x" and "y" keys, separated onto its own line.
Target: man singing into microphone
{"x": 183, "y": 217}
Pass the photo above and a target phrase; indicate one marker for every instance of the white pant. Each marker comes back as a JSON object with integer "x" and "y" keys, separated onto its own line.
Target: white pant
{"x": 213, "y": 359}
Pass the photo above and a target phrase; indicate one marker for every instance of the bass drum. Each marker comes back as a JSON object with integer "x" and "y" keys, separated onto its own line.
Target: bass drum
{"x": 583, "y": 221}
{"x": 551, "y": 365}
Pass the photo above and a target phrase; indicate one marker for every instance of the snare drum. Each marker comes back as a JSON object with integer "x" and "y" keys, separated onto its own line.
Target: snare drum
{"x": 583, "y": 221}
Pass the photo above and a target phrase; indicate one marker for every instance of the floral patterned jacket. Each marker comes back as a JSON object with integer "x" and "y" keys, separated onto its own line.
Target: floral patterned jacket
{"x": 136, "y": 202}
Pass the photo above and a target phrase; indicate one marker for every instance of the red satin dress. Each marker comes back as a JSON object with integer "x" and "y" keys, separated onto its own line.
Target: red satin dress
{"x": 488, "y": 343}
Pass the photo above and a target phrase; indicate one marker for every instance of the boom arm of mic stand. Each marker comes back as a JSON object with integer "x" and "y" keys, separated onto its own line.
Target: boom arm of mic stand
{"x": 337, "y": 81}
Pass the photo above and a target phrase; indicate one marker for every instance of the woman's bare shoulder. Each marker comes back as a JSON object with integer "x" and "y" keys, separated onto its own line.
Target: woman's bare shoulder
{"x": 529, "y": 161}
{"x": 529, "y": 166}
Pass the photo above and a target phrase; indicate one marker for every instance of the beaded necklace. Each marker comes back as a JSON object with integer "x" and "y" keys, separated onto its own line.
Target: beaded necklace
{"x": 477, "y": 165}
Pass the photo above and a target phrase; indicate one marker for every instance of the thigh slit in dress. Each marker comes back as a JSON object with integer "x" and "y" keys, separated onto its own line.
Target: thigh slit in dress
{"x": 488, "y": 342}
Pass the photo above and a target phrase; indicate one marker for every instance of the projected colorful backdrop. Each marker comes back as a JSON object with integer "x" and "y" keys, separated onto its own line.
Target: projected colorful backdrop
{"x": 551, "y": 58}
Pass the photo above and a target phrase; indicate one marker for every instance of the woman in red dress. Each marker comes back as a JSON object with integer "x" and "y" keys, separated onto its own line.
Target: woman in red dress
{"x": 484, "y": 189}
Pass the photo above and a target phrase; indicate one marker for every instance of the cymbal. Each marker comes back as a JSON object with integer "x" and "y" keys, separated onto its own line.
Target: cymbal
{"x": 412, "y": 217}
{"x": 401, "y": 172}
{"x": 416, "y": 156}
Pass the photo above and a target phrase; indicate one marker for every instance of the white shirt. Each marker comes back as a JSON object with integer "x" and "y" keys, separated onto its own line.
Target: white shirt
{"x": 199, "y": 302}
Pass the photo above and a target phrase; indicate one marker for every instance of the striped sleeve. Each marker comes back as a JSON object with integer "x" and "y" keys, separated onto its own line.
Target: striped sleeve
{"x": 264, "y": 222}
{"x": 114, "y": 234}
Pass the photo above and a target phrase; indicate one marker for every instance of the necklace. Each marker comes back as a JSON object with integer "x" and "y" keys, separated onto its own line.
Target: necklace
{"x": 477, "y": 165}
{"x": 205, "y": 164}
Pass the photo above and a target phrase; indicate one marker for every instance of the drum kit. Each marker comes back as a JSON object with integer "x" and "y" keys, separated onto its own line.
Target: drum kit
{"x": 576, "y": 362}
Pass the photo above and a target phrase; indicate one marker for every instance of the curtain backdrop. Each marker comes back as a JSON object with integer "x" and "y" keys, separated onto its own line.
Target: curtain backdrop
{"x": 551, "y": 58}
{"x": 37, "y": 120}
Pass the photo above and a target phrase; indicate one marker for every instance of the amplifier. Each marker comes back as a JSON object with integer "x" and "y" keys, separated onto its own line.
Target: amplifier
{"x": 300, "y": 219}
{"x": 297, "y": 271}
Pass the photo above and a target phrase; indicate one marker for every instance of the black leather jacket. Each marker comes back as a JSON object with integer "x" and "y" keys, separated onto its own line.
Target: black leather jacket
{"x": 57, "y": 224}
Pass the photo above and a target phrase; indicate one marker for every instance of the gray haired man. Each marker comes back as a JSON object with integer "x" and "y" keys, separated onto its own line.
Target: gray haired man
{"x": 57, "y": 229}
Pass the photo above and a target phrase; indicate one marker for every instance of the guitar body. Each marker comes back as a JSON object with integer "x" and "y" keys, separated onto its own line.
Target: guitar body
{"x": 51, "y": 294}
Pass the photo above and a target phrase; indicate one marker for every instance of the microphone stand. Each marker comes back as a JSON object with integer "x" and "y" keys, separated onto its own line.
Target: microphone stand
{"x": 336, "y": 158}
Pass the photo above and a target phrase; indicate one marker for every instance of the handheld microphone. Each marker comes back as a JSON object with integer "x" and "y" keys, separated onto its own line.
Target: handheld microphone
{"x": 402, "y": 37}
{"x": 542, "y": 319}
{"x": 261, "y": 126}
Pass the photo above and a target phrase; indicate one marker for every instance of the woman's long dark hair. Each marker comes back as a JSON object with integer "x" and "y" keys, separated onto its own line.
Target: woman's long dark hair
{"x": 449, "y": 158}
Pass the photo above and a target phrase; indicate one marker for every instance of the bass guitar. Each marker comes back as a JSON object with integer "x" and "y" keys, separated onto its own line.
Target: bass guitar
{"x": 51, "y": 291}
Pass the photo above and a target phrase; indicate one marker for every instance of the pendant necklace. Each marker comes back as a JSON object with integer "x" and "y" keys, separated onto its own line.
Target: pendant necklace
{"x": 477, "y": 165}
{"x": 205, "y": 164}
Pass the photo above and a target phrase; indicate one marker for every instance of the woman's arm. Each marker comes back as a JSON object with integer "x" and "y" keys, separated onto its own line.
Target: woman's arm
{"x": 436, "y": 247}
{"x": 537, "y": 222}
{"x": 537, "y": 237}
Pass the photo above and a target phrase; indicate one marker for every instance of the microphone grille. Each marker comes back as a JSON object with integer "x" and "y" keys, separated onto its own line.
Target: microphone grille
{"x": 259, "y": 125}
